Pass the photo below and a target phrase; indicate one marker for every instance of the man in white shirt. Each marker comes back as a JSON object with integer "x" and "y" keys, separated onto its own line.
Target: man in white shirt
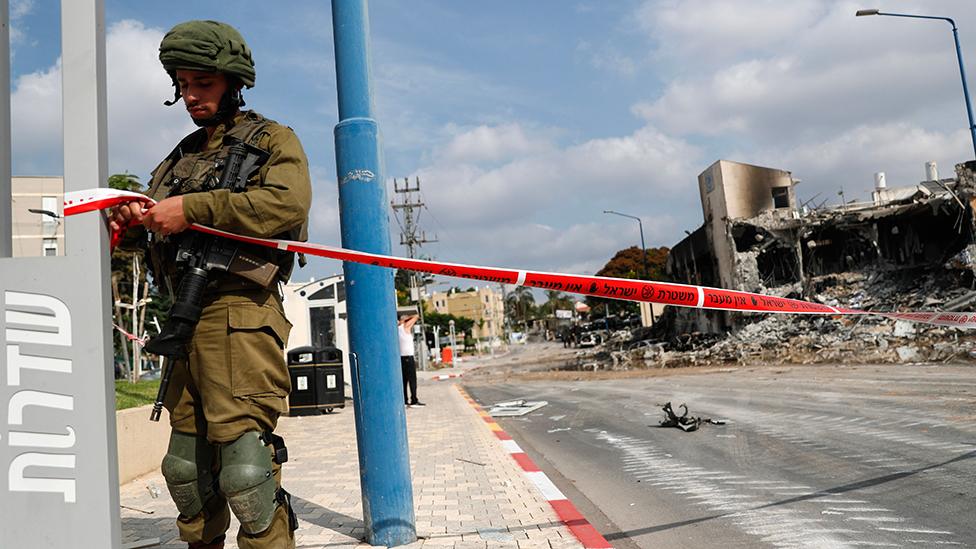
{"x": 408, "y": 364}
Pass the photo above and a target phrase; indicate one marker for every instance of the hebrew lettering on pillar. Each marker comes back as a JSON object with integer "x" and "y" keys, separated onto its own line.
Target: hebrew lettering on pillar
{"x": 16, "y": 361}
{"x": 19, "y": 482}
{"x": 33, "y": 323}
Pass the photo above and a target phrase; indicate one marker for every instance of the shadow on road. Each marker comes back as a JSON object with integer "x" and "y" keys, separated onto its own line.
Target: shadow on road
{"x": 806, "y": 497}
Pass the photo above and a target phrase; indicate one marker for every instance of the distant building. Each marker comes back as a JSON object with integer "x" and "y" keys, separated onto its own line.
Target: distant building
{"x": 36, "y": 234}
{"x": 484, "y": 306}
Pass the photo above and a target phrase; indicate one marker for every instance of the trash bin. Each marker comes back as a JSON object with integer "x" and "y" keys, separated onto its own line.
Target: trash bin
{"x": 316, "y": 380}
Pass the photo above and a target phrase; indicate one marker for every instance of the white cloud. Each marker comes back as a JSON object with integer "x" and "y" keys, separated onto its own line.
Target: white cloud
{"x": 21, "y": 8}
{"x": 581, "y": 248}
{"x": 492, "y": 144}
{"x": 608, "y": 59}
{"x": 716, "y": 30}
{"x": 140, "y": 129}
{"x": 35, "y": 121}
{"x": 557, "y": 181}
{"x": 18, "y": 10}
{"x": 850, "y": 159}
{"x": 542, "y": 208}
{"x": 324, "y": 217}
{"x": 828, "y": 73}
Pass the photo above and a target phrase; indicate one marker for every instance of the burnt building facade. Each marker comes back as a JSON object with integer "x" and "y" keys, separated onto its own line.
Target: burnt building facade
{"x": 755, "y": 238}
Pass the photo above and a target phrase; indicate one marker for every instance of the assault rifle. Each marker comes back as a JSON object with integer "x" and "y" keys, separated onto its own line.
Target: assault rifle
{"x": 197, "y": 255}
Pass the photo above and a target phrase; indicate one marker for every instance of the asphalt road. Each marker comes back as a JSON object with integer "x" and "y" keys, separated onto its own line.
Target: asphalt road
{"x": 811, "y": 456}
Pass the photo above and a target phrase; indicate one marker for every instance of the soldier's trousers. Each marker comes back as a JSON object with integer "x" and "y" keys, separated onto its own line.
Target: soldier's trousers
{"x": 234, "y": 381}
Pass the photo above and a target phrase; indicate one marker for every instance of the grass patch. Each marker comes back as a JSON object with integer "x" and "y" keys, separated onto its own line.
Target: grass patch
{"x": 131, "y": 395}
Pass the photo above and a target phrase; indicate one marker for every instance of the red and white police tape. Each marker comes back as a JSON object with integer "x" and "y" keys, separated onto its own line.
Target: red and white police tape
{"x": 682, "y": 295}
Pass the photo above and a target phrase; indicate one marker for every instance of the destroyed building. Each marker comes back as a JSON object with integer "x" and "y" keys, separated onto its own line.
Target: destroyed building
{"x": 756, "y": 238}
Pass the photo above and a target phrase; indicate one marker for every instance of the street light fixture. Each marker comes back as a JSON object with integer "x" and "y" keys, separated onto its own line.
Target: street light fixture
{"x": 962, "y": 67}
{"x": 641, "y": 227}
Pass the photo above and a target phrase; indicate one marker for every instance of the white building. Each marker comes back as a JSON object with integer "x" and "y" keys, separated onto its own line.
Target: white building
{"x": 36, "y": 234}
{"x": 317, "y": 312}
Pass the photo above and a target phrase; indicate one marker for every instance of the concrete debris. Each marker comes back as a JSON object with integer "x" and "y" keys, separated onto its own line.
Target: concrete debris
{"x": 515, "y": 408}
{"x": 912, "y": 249}
{"x": 903, "y": 328}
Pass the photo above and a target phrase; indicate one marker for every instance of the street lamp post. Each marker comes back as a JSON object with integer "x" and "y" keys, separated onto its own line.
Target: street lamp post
{"x": 962, "y": 66}
{"x": 641, "y": 227}
{"x": 643, "y": 248}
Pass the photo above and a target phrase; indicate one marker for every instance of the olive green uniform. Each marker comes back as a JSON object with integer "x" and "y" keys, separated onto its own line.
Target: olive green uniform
{"x": 235, "y": 379}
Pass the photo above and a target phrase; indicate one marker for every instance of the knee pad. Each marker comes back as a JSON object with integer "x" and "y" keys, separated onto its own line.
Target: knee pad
{"x": 187, "y": 468}
{"x": 247, "y": 481}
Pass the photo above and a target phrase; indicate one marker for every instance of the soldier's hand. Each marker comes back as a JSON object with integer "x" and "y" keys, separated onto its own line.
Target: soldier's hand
{"x": 125, "y": 214}
{"x": 166, "y": 217}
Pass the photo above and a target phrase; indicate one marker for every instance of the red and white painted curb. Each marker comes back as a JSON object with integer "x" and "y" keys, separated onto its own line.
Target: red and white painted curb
{"x": 442, "y": 377}
{"x": 565, "y": 510}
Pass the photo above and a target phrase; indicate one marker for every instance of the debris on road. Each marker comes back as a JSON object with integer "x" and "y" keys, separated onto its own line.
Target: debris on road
{"x": 514, "y": 408}
{"x": 684, "y": 422}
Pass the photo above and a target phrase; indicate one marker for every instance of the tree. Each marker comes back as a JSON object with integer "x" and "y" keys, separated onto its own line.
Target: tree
{"x": 556, "y": 300}
{"x": 520, "y": 303}
{"x": 131, "y": 283}
{"x": 401, "y": 282}
{"x": 442, "y": 322}
{"x": 628, "y": 263}
{"x": 125, "y": 182}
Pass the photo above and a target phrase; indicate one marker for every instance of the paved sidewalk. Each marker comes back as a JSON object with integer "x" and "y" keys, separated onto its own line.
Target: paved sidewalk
{"x": 468, "y": 492}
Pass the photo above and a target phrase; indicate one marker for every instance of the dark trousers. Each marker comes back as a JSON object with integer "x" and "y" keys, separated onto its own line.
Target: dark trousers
{"x": 409, "y": 368}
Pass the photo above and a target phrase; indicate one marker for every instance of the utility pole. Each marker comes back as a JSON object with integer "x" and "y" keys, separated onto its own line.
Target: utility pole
{"x": 412, "y": 238}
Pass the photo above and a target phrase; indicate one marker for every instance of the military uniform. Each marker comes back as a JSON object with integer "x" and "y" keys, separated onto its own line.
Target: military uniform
{"x": 225, "y": 397}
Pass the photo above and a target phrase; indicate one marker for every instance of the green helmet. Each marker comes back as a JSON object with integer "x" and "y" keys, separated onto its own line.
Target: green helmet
{"x": 207, "y": 46}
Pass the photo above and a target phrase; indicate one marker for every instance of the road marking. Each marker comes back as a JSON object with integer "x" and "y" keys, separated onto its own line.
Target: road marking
{"x": 915, "y": 531}
{"x": 860, "y": 509}
{"x": 831, "y": 500}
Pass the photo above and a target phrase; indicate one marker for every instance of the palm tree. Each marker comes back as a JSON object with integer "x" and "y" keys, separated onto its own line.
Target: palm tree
{"x": 557, "y": 300}
{"x": 520, "y": 301}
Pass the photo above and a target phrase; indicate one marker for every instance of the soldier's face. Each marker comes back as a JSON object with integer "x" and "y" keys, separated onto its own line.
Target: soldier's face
{"x": 201, "y": 91}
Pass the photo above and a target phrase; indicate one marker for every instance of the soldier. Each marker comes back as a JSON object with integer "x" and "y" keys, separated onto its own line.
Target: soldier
{"x": 225, "y": 398}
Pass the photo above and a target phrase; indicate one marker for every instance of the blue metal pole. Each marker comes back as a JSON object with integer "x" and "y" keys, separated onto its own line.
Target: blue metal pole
{"x": 381, "y": 430}
{"x": 965, "y": 85}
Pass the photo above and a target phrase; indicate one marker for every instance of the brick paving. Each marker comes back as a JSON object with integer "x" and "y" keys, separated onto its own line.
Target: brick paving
{"x": 468, "y": 492}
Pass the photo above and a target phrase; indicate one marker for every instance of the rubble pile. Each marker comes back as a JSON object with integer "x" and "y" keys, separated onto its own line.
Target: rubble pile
{"x": 807, "y": 339}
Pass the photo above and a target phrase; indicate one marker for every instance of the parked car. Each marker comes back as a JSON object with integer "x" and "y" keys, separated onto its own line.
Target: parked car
{"x": 590, "y": 339}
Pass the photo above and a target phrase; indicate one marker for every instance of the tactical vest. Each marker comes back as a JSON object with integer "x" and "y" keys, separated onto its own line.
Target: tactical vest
{"x": 189, "y": 169}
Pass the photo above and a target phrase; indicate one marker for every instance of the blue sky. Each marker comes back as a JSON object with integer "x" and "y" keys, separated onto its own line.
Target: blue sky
{"x": 525, "y": 120}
